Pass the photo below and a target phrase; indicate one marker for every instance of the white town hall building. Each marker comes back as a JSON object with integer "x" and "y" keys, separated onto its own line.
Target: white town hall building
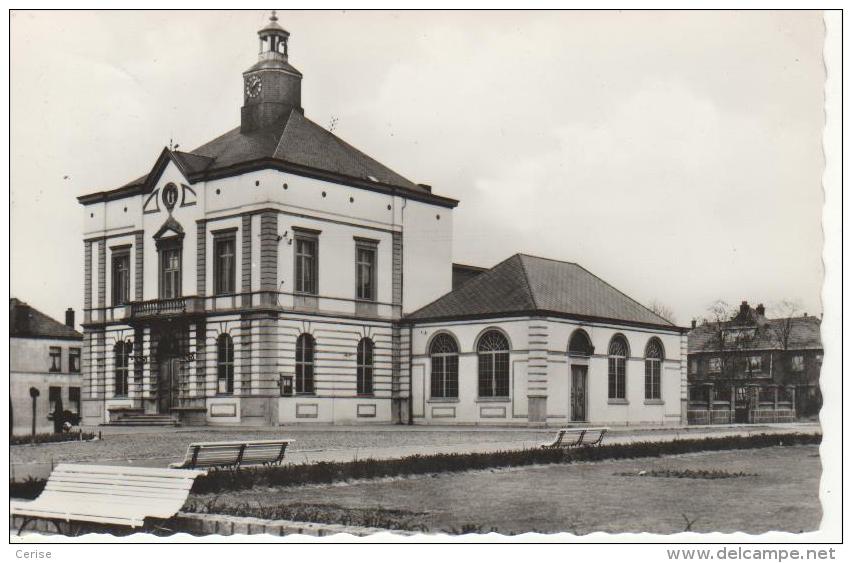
{"x": 277, "y": 275}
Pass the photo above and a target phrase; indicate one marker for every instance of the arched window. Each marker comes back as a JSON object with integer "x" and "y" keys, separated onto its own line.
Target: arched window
{"x": 365, "y": 367}
{"x": 493, "y": 351}
{"x": 305, "y": 363}
{"x": 122, "y": 360}
{"x": 618, "y": 353}
{"x": 225, "y": 364}
{"x": 580, "y": 346}
{"x": 444, "y": 356}
{"x": 653, "y": 363}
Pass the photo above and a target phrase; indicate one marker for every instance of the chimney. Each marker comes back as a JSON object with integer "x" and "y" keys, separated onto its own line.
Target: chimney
{"x": 744, "y": 308}
{"x": 760, "y": 310}
{"x": 69, "y": 317}
{"x": 693, "y": 323}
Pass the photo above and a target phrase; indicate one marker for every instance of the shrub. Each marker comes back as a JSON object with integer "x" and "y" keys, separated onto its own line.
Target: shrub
{"x": 330, "y": 472}
{"x": 51, "y": 437}
{"x": 319, "y": 513}
{"x": 29, "y": 488}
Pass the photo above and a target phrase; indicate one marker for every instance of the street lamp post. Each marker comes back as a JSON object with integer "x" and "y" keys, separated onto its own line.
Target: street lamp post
{"x": 34, "y": 394}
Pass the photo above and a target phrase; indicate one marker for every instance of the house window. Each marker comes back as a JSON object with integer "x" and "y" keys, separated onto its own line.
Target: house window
{"x": 365, "y": 367}
{"x": 444, "y": 357}
{"x": 305, "y": 346}
{"x": 55, "y": 358}
{"x": 225, "y": 364}
{"x": 653, "y": 363}
{"x": 120, "y": 277}
{"x": 224, "y": 264}
{"x": 122, "y": 361}
{"x": 74, "y": 399}
{"x": 714, "y": 365}
{"x": 493, "y": 352}
{"x": 797, "y": 363}
{"x": 365, "y": 270}
{"x": 74, "y": 360}
{"x": 693, "y": 366}
{"x": 755, "y": 364}
{"x": 54, "y": 395}
{"x": 617, "y": 367}
{"x": 170, "y": 263}
{"x": 306, "y": 263}
{"x": 699, "y": 393}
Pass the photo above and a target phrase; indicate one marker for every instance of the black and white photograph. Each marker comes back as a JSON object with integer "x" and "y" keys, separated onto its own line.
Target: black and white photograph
{"x": 445, "y": 276}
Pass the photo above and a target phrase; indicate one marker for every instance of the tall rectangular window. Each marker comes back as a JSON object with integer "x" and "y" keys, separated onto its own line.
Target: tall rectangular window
{"x": 224, "y": 264}
{"x": 120, "y": 277}
{"x": 54, "y": 395}
{"x": 74, "y": 399}
{"x": 170, "y": 272}
{"x": 74, "y": 360}
{"x": 55, "y": 358}
{"x": 306, "y": 271}
{"x": 365, "y": 270}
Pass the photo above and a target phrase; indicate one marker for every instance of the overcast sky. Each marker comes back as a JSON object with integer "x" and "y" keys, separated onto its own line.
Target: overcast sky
{"x": 675, "y": 154}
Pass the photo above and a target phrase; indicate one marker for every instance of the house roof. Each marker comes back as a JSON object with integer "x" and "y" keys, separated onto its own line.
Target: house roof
{"x": 804, "y": 334}
{"x": 27, "y": 322}
{"x": 295, "y": 142}
{"x": 524, "y": 284}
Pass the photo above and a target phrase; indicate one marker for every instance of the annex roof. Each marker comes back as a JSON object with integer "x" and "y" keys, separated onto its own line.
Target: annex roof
{"x": 524, "y": 284}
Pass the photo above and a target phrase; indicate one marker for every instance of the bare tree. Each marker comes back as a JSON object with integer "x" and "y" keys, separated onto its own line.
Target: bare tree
{"x": 783, "y": 312}
{"x": 662, "y": 310}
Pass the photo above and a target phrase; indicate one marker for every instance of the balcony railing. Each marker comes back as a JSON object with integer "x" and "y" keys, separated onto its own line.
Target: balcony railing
{"x": 159, "y": 307}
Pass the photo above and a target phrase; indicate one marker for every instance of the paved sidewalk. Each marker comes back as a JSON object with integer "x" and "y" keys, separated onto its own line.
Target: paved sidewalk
{"x": 296, "y": 455}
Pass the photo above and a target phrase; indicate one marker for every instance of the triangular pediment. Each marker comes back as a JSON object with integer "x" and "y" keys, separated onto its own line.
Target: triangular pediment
{"x": 171, "y": 228}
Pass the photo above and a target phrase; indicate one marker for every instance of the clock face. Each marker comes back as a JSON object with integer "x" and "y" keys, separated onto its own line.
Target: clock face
{"x": 253, "y": 86}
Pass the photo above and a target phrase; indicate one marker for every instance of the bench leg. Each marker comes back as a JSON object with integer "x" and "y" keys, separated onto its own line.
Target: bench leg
{"x": 29, "y": 519}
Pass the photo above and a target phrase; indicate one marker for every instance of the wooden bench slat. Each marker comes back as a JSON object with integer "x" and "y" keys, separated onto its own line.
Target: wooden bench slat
{"x": 589, "y": 436}
{"x": 120, "y": 495}
{"x": 233, "y": 453}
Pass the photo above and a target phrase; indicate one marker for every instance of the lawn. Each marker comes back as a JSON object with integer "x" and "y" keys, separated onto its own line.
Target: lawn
{"x": 765, "y": 489}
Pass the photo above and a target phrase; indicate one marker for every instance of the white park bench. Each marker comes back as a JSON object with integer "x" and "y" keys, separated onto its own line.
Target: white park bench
{"x": 107, "y": 495}
{"x": 576, "y": 437}
{"x": 233, "y": 454}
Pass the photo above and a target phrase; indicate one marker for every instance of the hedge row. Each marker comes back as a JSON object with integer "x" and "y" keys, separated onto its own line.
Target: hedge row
{"x": 331, "y": 472}
{"x": 51, "y": 437}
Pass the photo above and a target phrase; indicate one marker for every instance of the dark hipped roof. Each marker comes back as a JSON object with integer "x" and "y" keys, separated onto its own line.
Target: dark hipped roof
{"x": 525, "y": 284}
{"x": 804, "y": 334}
{"x": 26, "y": 322}
{"x": 295, "y": 141}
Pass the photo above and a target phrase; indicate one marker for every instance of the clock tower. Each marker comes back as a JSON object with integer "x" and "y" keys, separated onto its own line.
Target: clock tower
{"x": 272, "y": 87}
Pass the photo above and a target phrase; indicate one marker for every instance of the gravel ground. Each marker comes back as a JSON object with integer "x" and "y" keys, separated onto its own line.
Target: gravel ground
{"x": 171, "y": 444}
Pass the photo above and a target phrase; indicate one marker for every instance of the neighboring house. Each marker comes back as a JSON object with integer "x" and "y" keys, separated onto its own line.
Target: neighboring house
{"x": 265, "y": 278}
{"x": 754, "y": 369}
{"x": 44, "y": 354}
